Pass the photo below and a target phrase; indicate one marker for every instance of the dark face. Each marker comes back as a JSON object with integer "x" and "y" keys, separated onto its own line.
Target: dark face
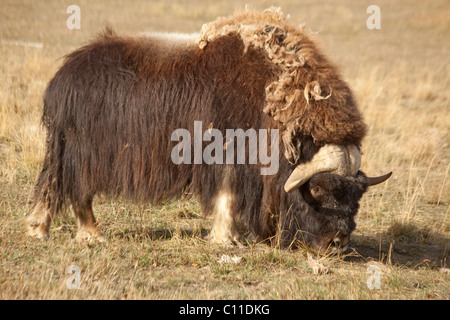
{"x": 321, "y": 206}
{"x": 333, "y": 202}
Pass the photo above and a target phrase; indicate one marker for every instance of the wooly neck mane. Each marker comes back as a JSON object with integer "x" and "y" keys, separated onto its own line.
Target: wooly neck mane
{"x": 307, "y": 97}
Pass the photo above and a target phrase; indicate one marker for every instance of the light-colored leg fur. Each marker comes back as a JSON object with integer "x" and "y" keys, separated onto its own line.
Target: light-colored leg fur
{"x": 224, "y": 229}
{"x": 38, "y": 222}
{"x": 88, "y": 229}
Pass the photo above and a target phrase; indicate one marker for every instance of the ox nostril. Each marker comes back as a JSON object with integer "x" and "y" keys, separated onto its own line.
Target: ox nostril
{"x": 340, "y": 243}
{"x": 336, "y": 243}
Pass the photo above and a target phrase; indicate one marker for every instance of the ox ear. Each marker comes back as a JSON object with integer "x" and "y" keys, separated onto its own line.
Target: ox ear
{"x": 341, "y": 160}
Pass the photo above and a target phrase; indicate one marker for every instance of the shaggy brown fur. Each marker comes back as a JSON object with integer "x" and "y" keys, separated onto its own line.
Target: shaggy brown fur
{"x": 111, "y": 108}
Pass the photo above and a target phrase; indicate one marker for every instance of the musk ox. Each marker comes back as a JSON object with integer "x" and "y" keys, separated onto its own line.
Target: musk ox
{"x": 112, "y": 107}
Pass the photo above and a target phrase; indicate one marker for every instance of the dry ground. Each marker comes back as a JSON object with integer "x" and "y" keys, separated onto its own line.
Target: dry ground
{"x": 400, "y": 75}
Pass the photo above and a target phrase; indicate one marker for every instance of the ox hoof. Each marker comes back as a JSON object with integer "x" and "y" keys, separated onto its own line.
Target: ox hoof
{"x": 39, "y": 231}
{"x": 228, "y": 242}
{"x": 90, "y": 235}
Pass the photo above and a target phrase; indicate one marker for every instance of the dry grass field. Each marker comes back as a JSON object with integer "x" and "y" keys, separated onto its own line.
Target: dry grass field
{"x": 401, "y": 77}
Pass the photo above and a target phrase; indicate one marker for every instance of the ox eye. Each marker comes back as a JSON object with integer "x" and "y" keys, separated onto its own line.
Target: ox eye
{"x": 316, "y": 191}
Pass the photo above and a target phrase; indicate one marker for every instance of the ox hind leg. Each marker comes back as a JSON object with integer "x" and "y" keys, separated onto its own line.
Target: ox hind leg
{"x": 49, "y": 195}
{"x": 38, "y": 222}
{"x": 45, "y": 205}
{"x": 88, "y": 230}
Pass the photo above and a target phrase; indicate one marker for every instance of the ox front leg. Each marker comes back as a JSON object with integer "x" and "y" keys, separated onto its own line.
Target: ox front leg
{"x": 38, "y": 222}
{"x": 224, "y": 229}
{"x": 88, "y": 229}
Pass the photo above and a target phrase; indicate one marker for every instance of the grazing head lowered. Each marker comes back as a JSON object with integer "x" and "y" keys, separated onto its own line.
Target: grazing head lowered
{"x": 334, "y": 203}
{"x": 120, "y": 108}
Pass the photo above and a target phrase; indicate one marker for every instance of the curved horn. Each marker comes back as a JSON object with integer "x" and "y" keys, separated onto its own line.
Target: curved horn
{"x": 330, "y": 158}
{"x": 354, "y": 155}
{"x": 371, "y": 181}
